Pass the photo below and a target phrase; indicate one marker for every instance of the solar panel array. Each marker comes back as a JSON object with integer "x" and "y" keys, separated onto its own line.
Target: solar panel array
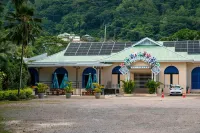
{"x": 192, "y": 47}
{"x": 80, "y": 49}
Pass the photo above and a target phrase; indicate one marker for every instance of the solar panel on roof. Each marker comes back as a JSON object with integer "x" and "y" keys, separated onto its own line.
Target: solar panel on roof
{"x": 106, "y": 49}
{"x": 181, "y": 44}
{"x": 95, "y": 48}
{"x": 128, "y": 45}
{"x": 169, "y": 44}
{"x": 83, "y": 49}
{"x": 192, "y": 47}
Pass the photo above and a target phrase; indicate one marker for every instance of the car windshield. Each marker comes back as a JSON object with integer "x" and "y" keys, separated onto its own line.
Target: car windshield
{"x": 175, "y": 86}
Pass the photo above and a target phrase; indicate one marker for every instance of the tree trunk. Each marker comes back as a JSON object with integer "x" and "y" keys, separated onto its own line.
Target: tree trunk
{"x": 21, "y": 66}
{"x": 25, "y": 42}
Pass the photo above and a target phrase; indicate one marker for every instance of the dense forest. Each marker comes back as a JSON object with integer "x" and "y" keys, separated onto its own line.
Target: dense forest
{"x": 125, "y": 20}
{"x": 128, "y": 20}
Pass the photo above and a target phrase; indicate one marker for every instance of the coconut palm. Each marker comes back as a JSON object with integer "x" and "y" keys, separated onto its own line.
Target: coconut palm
{"x": 23, "y": 27}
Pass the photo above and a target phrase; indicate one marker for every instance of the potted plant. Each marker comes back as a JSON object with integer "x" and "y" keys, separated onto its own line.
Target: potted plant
{"x": 68, "y": 90}
{"x": 152, "y": 86}
{"x": 97, "y": 90}
{"x": 128, "y": 86}
{"x": 41, "y": 89}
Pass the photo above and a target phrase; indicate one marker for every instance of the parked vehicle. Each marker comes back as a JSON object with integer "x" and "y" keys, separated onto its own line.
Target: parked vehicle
{"x": 175, "y": 90}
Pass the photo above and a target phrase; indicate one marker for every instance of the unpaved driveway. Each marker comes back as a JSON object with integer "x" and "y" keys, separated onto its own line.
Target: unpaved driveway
{"x": 114, "y": 115}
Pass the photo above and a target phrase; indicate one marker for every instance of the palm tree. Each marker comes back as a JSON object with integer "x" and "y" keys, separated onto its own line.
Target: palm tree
{"x": 23, "y": 27}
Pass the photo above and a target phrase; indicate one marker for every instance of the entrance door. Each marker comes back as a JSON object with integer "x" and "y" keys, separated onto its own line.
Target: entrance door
{"x": 140, "y": 81}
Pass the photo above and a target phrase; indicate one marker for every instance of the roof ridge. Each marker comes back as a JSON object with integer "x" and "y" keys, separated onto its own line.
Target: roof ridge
{"x": 157, "y": 46}
{"x": 51, "y": 55}
{"x": 147, "y": 38}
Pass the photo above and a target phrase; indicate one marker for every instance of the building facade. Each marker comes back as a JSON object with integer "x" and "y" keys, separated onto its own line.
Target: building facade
{"x": 178, "y": 63}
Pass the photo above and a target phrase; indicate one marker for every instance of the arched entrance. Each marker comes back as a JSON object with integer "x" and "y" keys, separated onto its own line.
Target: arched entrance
{"x": 196, "y": 78}
{"x": 171, "y": 75}
{"x": 60, "y": 72}
{"x": 34, "y": 76}
{"x": 152, "y": 67}
{"x": 85, "y": 75}
{"x": 140, "y": 56}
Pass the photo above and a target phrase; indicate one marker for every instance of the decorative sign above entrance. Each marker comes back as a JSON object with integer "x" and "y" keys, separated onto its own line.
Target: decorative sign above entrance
{"x": 139, "y": 67}
{"x": 143, "y": 56}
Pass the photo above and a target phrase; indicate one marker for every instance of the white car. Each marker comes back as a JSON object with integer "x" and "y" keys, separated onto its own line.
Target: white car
{"x": 175, "y": 90}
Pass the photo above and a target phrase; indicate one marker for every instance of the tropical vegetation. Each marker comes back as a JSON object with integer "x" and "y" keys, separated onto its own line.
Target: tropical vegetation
{"x": 126, "y": 20}
{"x": 41, "y": 87}
{"x": 69, "y": 88}
{"x": 97, "y": 87}
{"x": 128, "y": 86}
{"x": 22, "y": 28}
{"x": 12, "y": 95}
{"x": 152, "y": 86}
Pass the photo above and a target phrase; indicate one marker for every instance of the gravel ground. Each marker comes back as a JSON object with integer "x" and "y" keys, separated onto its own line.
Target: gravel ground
{"x": 112, "y": 115}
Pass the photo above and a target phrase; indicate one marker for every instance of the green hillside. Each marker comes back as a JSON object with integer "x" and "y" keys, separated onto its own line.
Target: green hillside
{"x": 125, "y": 19}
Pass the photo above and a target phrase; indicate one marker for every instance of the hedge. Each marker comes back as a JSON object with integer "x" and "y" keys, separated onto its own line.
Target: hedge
{"x": 12, "y": 95}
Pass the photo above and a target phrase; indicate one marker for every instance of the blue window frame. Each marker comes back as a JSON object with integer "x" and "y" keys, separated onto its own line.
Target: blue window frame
{"x": 85, "y": 75}
{"x": 196, "y": 78}
{"x": 171, "y": 70}
{"x": 60, "y": 72}
{"x": 34, "y": 76}
{"x": 115, "y": 70}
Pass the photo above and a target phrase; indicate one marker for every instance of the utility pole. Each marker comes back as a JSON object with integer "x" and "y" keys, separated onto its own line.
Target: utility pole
{"x": 105, "y": 34}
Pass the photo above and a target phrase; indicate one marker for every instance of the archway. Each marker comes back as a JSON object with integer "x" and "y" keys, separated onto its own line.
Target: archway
{"x": 171, "y": 75}
{"x": 34, "y": 76}
{"x": 140, "y": 56}
{"x": 196, "y": 78}
{"x": 85, "y": 75}
{"x": 60, "y": 72}
{"x": 139, "y": 78}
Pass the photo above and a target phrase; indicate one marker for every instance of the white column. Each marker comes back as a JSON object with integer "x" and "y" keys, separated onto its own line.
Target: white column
{"x": 154, "y": 77}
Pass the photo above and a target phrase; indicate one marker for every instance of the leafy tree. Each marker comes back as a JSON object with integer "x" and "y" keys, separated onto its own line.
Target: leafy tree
{"x": 184, "y": 34}
{"x": 49, "y": 45}
{"x": 1, "y": 10}
{"x": 12, "y": 74}
{"x": 125, "y": 19}
{"x": 22, "y": 28}
{"x": 6, "y": 49}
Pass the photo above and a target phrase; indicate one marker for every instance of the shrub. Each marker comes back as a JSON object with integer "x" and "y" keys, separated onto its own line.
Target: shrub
{"x": 22, "y": 94}
{"x": 2, "y": 78}
{"x": 128, "y": 86}
{"x": 42, "y": 87}
{"x": 12, "y": 95}
{"x": 152, "y": 86}
{"x": 68, "y": 88}
{"x": 98, "y": 88}
{"x": 28, "y": 92}
{"x": 1, "y": 95}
